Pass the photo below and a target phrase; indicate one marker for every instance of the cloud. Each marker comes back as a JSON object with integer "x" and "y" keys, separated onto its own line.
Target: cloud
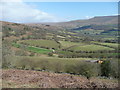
{"x": 18, "y": 11}
{"x": 11, "y": 0}
{"x": 88, "y": 17}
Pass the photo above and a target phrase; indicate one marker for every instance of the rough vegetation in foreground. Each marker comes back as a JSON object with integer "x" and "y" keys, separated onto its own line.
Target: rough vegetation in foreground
{"x": 35, "y": 79}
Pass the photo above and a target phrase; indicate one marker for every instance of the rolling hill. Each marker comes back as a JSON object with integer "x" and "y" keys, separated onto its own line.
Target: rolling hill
{"x": 98, "y": 20}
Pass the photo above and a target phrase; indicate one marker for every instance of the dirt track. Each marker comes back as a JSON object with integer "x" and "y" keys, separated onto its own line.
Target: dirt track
{"x": 37, "y": 79}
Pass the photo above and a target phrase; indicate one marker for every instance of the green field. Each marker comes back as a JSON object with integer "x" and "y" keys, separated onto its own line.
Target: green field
{"x": 91, "y": 47}
{"x": 41, "y": 43}
{"x": 91, "y": 31}
{"x": 16, "y": 45}
{"x": 66, "y": 44}
{"x": 32, "y": 48}
{"x": 115, "y": 53}
{"x": 114, "y": 45}
{"x": 110, "y": 38}
{"x": 38, "y": 50}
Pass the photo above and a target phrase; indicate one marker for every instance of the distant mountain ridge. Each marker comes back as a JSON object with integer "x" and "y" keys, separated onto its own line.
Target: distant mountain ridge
{"x": 99, "y": 20}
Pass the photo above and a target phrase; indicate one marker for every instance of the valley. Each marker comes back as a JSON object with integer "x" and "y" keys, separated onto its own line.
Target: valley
{"x": 52, "y": 49}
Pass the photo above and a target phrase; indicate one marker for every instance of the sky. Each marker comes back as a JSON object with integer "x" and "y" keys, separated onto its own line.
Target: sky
{"x": 35, "y": 12}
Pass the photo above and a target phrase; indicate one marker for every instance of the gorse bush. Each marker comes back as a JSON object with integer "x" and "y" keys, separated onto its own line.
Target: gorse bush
{"x": 114, "y": 68}
{"x": 105, "y": 68}
{"x": 109, "y": 68}
{"x": 44, "y": 64}
{"x": 57, "y": 67}
{"x": 50, "y": 54}
{"x": 88, "y": 70}
{"x": 84, "y": 68}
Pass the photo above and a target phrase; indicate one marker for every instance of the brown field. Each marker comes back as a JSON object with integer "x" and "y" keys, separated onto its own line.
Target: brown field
{"x": 38, "y": 79}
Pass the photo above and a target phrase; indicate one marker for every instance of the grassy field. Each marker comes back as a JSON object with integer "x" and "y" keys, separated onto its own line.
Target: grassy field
{"x": 114, "y": 45}
{"x": 41, "y": 43}
{"x": 91, "y": 31}
{"x": 110, "y": 38}
{"x": 38, "y": 50}
{"x": 16, "y": 45}
{"x": 91, "y": 47}
{"x": 32, "y": 48}
{"x": 66, "y": 44}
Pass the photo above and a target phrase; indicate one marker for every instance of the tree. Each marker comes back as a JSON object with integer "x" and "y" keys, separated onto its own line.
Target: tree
{"x": 105, "y": 68}
{"x": 86, "y": 69}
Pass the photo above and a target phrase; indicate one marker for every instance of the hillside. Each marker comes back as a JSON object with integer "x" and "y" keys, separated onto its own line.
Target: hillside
{"x": 98, "y": 20}
{"x": 35, "y": 79}
{"x": 99, "y": 24}
{"x": 79, "y": 50}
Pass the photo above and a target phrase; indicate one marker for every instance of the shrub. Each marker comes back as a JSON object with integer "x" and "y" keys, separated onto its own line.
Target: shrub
{"x": 86, "y": 69}
{"x": 5, "y": 63}
{"x": 114, "y": 68}
{"x": 57, "y": 67}
{"x": 50, "y": 54}
{"x": 44, "y": 64}
{"x": 20, "y": 53}
{"x": 61, "y": 56}
{"x": 32, "y": 54}
{"x": 105, "y": 68}
{"x": 70, "y": 69}
{"x": 23, "y": 67}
